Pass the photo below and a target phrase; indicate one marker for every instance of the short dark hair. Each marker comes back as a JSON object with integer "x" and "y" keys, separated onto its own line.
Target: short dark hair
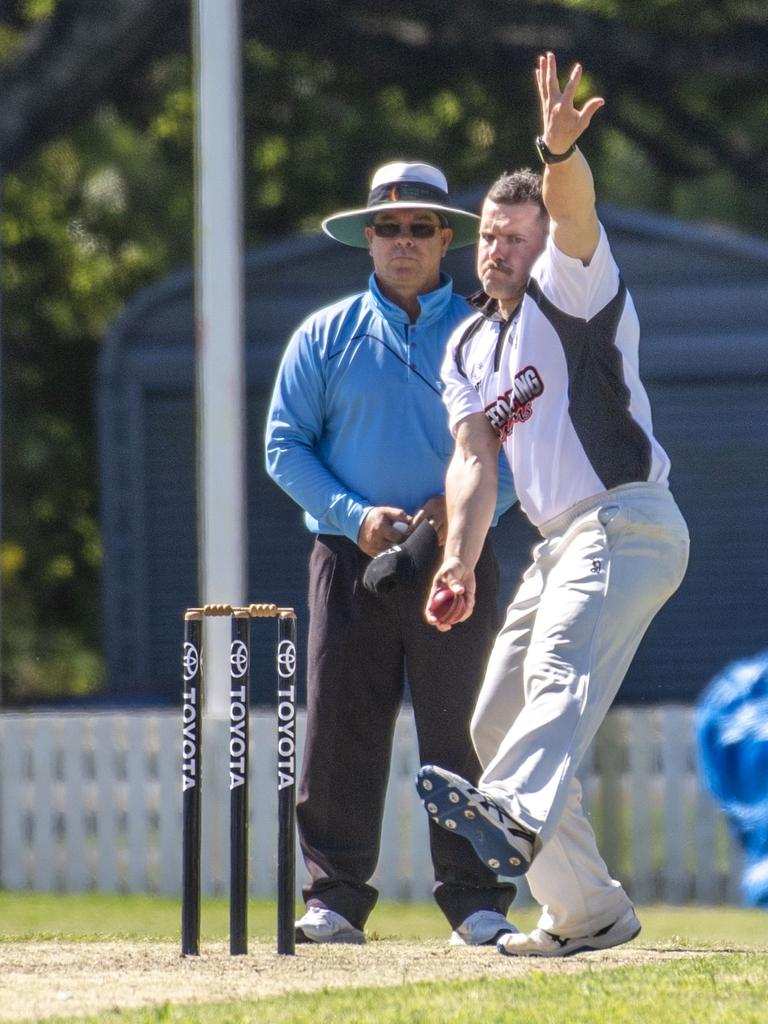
{"x": 522, "y": 186}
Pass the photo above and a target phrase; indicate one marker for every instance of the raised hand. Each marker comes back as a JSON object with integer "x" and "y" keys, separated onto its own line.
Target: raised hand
{"x": 562, "y": 124}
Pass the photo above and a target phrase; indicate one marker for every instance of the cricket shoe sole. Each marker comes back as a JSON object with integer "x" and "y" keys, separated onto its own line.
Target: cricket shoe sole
{"x": 455, "y": 805}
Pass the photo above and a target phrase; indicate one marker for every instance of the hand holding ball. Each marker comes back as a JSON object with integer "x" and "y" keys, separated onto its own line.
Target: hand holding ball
{"x": 447, "y": 607}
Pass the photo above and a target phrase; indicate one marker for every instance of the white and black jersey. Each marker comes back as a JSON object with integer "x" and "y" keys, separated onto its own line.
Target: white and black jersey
{"x": 559, "y": 383}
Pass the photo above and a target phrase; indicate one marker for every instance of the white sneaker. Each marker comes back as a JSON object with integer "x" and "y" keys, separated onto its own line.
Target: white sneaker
{"x": 541, "y": 943}
{"x": 483, "y": 928}
{"x": 319, "y": 924}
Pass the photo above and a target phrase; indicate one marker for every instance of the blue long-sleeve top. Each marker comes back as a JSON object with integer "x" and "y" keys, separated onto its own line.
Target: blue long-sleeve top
{"x": 357, "y": 418}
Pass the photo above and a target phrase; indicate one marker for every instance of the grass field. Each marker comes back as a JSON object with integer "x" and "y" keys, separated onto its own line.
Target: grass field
{"x": 689, "y": 964}
{"x": 99, "y": 916}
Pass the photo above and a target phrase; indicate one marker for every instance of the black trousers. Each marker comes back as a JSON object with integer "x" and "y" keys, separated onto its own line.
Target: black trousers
{"x": 361, "y": 647}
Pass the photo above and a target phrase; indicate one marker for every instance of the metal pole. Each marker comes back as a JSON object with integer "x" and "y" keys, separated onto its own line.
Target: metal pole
{"x": 286, "y": 783}
{"x": 220, "y": 361}
{"x": 2, "y": 694}
{"x": 191, "y": 782}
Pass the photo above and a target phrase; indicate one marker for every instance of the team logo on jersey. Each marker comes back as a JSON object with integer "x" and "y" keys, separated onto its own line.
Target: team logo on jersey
{"x": 515, "y": 405}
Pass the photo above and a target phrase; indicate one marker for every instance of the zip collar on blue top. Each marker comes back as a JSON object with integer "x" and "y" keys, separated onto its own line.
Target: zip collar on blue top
{"x": 433, "y": 304}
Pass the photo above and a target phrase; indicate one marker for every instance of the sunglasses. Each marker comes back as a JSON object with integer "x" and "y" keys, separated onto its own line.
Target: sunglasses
{"x": 391, "y": 229}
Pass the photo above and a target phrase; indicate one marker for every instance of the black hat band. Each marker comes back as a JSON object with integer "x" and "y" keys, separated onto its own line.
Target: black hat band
{"x": 396, "y": 192}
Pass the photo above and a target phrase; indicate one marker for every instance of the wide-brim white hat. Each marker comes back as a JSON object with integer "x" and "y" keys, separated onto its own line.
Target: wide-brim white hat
{"x": 404, "y": 186}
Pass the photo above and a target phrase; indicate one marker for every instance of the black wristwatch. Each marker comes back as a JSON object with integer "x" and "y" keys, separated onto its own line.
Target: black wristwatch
{"x": 548, "y": 157}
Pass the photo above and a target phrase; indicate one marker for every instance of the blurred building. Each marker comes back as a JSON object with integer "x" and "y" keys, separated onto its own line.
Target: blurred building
{"x": 702, "y": 296}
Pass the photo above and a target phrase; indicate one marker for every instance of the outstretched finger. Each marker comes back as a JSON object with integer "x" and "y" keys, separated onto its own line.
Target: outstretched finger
{"x": 550, "y": 73}
{"x": 541, "y": 82}
{"x": 588, "y": 111}
{"x": 573, "y": 82}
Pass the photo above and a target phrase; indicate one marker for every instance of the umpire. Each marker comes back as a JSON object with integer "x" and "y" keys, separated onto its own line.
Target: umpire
{"x": 357, "y": 435}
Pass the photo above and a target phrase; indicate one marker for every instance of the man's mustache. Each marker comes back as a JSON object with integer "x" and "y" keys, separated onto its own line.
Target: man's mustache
{"x": 491, "y": 264}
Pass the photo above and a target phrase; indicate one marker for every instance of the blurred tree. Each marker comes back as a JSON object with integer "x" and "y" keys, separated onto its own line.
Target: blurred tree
{"x": 681, "y": 89}
{"x": 101, "y": 206}
{"x": 96, "y": 153}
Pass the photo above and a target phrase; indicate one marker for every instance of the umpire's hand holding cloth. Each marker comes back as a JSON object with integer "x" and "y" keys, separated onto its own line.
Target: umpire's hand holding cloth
{"x": 404, "y": 565}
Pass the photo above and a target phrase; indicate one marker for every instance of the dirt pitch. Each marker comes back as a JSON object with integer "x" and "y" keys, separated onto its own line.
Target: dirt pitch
{"x": 39, "y": 980}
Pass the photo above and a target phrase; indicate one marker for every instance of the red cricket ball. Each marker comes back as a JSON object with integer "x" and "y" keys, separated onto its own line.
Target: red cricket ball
{"x": 446, "y": 606}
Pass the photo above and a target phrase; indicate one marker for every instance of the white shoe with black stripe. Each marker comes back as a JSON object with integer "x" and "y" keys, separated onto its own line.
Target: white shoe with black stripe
{"x": 547, "y": 944}
{"x": 455, "y": 805}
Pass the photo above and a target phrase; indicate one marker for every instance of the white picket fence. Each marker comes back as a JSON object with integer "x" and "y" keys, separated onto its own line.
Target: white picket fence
{"x": 94, "y": 802}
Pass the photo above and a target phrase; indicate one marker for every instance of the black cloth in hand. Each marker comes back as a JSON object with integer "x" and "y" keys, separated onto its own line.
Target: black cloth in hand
{"x": 408, "y": 564}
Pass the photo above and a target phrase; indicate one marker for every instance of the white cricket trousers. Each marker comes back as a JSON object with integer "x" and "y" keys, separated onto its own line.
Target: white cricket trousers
{"x": 603, "y": 570}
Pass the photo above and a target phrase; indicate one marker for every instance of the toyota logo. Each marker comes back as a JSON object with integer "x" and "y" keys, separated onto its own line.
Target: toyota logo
{"x": 286, "y": 659}
{"x": 238, "y": 659}
{"x": 190, "y": 661}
